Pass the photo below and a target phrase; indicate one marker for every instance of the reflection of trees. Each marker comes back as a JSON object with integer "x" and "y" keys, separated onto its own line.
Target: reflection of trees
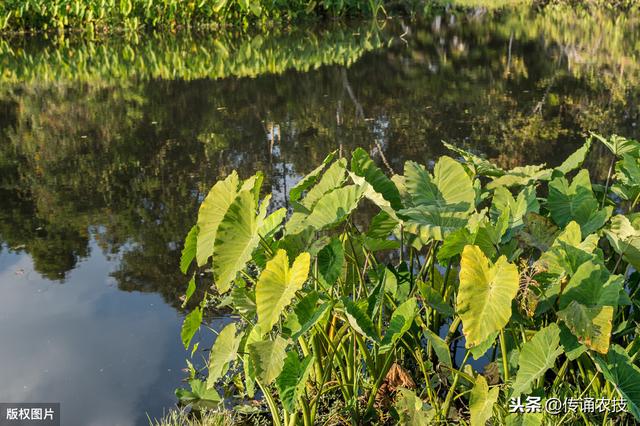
{"x": 126, "y": 159}
{"x": 185, "y": 56}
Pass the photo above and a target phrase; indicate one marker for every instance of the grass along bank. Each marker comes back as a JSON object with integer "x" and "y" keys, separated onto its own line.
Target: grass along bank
{"x": 107, "y": 15}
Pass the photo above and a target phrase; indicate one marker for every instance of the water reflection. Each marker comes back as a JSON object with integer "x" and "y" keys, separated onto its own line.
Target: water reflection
{"x": 107, "y": 148}
{"x": 59, "y": 344}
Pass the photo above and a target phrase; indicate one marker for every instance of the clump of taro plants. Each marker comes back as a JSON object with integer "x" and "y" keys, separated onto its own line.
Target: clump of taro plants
{"x": 472, "y": 294}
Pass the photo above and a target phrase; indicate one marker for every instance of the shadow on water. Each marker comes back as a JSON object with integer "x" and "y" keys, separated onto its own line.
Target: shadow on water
{"x": 107, "y": 147}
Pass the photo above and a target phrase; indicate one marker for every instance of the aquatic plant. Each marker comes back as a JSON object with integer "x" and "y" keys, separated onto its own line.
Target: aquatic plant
{"x": 367, "y": 299}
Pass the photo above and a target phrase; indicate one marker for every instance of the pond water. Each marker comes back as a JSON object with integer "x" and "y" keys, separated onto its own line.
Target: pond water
{"x": 108, "y": 146}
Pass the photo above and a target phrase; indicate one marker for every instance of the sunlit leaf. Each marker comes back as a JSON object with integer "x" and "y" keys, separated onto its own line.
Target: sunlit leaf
{"x": 482, "y": 166}
{"x": 223, "y": 352}
{"x": 189, "y": 249}
{"x": 190, "y": 326}
{"x": 331, "y": 179}
{"x": 526, "y": 419}
{"x": 481, "y": 401}
{"x": 236, "y": 239}
{"x": 485, "y": 294}
{"x": 591, "y": 325}
{"x": 591, "y": 285}
{"x": 211, "y": 213}
{"x": 191, "y": 288}
{"x": 412, "y": 411}
{"x": 200, "y": 396}
{"x": 576, "y": 159}
{"x": 624, "y": 237}
{"x": 277, "y": 286}
{"x": 268, "y": 358}
{"x": 272, "y": 223}
{"x": 363, "y": 166}
{"x": 619, "y": 145}
{"x": 433, "y": 222}
{"x": 310, "y": 179}
{"x": 333, "y": 207}
{"x": 575, "y": 201}
{"x": 521, "y": 176}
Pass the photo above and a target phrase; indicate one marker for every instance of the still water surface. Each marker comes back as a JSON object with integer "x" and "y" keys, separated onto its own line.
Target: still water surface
{"x": 108, "y": 147}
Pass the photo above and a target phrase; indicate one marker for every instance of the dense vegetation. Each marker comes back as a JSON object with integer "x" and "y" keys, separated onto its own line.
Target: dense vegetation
{"x": 108, "y": 15}
{"x": 529, "y": 271}
{"x": 99, "y": 15}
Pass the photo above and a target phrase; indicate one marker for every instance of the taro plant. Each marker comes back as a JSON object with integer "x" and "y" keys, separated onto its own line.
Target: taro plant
{"x": 465, "y": 294}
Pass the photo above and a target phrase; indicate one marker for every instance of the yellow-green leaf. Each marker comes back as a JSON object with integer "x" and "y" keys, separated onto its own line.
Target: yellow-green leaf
{"x": 236, "y": 238}
{"x": 277, "y": 286}
{"x": 485, "y": 295}
{"x": 224, "y": 351}
{"x": 591, "y": 325}
{"x": 212, "y": 212}
{"x": 481, "y": 402}
{"x": 268, "y": 358}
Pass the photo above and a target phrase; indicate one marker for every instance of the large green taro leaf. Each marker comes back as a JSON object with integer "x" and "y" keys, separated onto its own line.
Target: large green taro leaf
{"x": 575, "y": 201}
{"x": 309, "y": 180}
{"x": 277, "y": 286}
{"x": 400, "y": 322}
{"x": 211, "y": 213}
{"x": 536, "y": 357}
{"x": 521, "y": 176}
{"x": 412, "y": 411}
{"x": 363, "y": 166}
{"x": 485, "y": 295}
{"x": 450, "y": 184}
{"x": 576, "y": 159}
{"x": 189, "y": 249}
{"x": 590, "y": 325}
{"x": 236, "y": 238}
{"x": 481, "y": 401}
{"x": 482, "y": 166}
{"x": 619, "y": 145}
{"x": 224, "y": 350}
{"x": 619, "y": 370}
{"x": 268, "y": 358}
{"x": 331, "y": 179}
{"x": 624, "y": 236}
{"x": 292, "y": 381}
{"x": 518, "y": 207}
{"x": 331, "y": 209}
{"x": 592, "y": 285}
{"x": 434, "y": 222}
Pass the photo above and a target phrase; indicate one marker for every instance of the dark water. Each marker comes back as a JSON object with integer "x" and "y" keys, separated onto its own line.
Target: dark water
{"x": 108, "y": 146}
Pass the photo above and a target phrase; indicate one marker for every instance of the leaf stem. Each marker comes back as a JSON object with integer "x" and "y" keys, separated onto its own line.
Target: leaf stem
{"x": 503, "y": 349}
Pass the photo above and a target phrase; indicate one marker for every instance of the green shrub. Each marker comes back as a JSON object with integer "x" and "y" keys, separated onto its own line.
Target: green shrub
{"x": 133, "y": 14}
{"x": 374, "y": 315}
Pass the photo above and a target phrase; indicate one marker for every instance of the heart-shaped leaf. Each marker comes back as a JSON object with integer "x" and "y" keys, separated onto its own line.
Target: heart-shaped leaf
{"x": 485, "y": 295}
